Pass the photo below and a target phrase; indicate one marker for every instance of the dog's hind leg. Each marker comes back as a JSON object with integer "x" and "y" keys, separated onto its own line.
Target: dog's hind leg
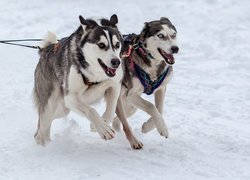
{"x": 55, "y": 108}
{"x": 159, "y": 102}
{"x": 42, "y": 135}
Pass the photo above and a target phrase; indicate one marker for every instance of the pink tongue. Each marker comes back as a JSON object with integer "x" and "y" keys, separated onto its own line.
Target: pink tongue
{"x": 169, "y": 57}
{"x": 111, "y": 71}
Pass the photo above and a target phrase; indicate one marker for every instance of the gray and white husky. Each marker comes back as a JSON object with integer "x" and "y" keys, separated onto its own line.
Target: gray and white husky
{"x": 149, "y": 63}
{"x": 75, "y": 72}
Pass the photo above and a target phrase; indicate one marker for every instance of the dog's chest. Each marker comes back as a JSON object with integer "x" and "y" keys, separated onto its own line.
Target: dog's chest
{"x": 75, "y": 81}
{"x": 152, "y": 71}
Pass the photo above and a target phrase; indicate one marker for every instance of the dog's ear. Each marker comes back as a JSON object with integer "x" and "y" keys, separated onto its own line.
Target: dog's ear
{"x": 164, "y": 20}
{"x": 144, "y": 31}
{"x": 113, "y": 20}
{"x": 87, "y": 24}
{"x": 146, "y": 25}
{"x": 83, "y": 21}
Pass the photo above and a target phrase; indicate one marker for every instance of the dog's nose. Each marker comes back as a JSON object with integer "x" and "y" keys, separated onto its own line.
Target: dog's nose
{"x": 175, "y": 49}
{"x": 115, "y": 62}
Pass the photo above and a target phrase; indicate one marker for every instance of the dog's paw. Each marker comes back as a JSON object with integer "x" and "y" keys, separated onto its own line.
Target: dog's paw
{"x": 41, "y": 139}
{"x": 162, "y": 129}
{"x": 148, "y": 126}
{"x": 92, "y": 128}
{"x": 135, "y": 144}
{"x": 163, "y": 132}
{"x": 105, "y": 131}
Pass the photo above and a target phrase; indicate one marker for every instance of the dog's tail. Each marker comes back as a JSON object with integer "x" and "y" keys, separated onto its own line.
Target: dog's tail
{"x": 50, "y": 38}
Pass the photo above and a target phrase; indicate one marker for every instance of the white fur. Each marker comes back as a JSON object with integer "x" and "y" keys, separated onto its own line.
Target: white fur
{"x": 50, "y": 38}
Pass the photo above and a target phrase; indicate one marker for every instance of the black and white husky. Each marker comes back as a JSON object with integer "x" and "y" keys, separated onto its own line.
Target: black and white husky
{"x": 76, "y": 71}
{"x": 148, "y": 61}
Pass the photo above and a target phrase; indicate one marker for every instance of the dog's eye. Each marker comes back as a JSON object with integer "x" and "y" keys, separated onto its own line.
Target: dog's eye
{"x": 101, "y": 45}
{"x": 117, "y": 45}
{"x": 173, "y": 36}
{"x": 161, "y": 36}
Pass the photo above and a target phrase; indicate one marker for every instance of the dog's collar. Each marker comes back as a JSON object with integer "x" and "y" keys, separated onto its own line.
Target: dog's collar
{"x": 87, "y": 82}
{"x": 149, "y": 85}
{"x": 142, "y": 50}
{"x": 138, "y": 46}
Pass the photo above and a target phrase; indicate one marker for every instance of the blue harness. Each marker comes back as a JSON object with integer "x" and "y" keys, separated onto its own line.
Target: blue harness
{"x": 148, "y": 84}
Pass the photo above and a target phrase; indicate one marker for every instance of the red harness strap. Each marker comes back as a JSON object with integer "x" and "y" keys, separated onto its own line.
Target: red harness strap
{"x": 128, "y": 54}
{"x": 56, "y": 47}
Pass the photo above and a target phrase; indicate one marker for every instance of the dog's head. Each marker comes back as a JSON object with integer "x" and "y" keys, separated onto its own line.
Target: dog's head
{"x": 100, "y": 43}
{"x": 160, "y": 39}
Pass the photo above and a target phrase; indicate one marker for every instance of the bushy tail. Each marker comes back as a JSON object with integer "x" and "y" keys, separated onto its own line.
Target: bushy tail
{"x": 50, "y": 38}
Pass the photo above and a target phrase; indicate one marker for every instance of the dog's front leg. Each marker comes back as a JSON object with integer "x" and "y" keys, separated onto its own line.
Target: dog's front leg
{"x": 112, "y": 92}
{"x": 159, "y": 103}
{"x": 77, "y": 104}
{"x": 126, "y": 128}
{"x": 111, "y": 96}
{"x": 150, "y": 108}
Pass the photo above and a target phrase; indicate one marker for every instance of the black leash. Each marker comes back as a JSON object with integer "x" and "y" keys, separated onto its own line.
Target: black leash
{"x": 10, "y": 42}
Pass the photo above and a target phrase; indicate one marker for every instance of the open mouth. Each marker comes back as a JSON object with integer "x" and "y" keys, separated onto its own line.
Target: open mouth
{"x": 169, "y": 58}
{"x": 109, "y": 71}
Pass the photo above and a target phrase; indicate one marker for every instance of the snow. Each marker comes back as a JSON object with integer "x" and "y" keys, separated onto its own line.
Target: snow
{"x": 207, "y": 106}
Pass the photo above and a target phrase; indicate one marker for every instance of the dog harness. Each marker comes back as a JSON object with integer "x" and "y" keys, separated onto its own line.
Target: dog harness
{"x": 149, "y": 85}
{"x": 87, "y": 82}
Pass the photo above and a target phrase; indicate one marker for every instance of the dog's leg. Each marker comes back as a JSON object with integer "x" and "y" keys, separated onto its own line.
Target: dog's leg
{"x": 150, "y": 108}
{"x": 111, "y": 96}
{"x": 159, "y": 102}
{"x": 42, "y": 135}
{"x": 129, "y": 109}
{"x": 129, "y": 134}
{"x": 55, "y": 108}
{"x": 78, "y": 104}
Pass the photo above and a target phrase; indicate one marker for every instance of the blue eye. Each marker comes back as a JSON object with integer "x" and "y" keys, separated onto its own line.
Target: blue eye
{"x": 161, "y": 36}
{"x": 173, "y": 36}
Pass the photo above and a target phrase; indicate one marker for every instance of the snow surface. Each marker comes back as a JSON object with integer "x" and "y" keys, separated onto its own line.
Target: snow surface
{"x": 207, "y": 106}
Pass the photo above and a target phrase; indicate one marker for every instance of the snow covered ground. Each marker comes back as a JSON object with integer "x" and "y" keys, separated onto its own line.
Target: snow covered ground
{"x": 207, "y": 107}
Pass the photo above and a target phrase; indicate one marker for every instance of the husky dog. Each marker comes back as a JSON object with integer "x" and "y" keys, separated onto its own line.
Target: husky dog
{"x": 148, "y": 62}
{"x": 77, "y": 71}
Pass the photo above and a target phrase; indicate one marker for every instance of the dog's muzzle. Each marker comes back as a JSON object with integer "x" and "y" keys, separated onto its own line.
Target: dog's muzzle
{"x": 169, "y": 58}
{"x": 115, "y": 62}
{"x": 110, "y": 72}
